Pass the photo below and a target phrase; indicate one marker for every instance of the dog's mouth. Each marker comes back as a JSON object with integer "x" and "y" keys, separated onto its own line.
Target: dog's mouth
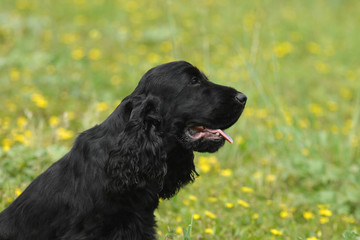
{"x": 199, "y": 132}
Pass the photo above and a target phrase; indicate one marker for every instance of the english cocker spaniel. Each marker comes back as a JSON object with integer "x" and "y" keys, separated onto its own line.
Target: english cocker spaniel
{"x": 109, "y": 184}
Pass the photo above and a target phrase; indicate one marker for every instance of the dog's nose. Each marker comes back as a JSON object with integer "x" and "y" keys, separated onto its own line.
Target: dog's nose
{"x": 241, "y": 98}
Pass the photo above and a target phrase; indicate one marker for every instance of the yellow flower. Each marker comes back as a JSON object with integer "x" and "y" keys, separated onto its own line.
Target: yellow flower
{"x": 348, "y": 219}
{"x": 346, "y": 93}
{"x": 332, "y": 106}
{"x": 209, "y": 231}
{"x": 94, "y": 54}
{"x": 276, "y": 232}
{"x": 247, "y": 189}
{"x": 39, "y": 100}
{"x": 69, "y": 38}
{"x": 226, "y": 172}
{"x": 17, "y": 191}
{"x": 186, "y": 202}
{"x": 131, "y": 6}
{"x": 255, "y": 216}
{"x": 304, "y": 123}
{"x": 166, "y": 46}
{"x": 178, "y": 230}
{"x": 282, "y": 49}
{"x": 243, "y": 203}
{"x": 262, "y": 113}
{"x": 102, "y": 106}
{"x": 64, "y": 134}
{"x": 270, "y": 178}
{"x": 21, "y": 122}
{"x": 305, "y": 152}
{"x": 14, "y": 75}
{"x": 196, "y": 216}
{"x": 324, "y": 220}
{"x": 239, "y": 140}
{"x": 210, "y": 214}
{"x": 153, "y": 58}
{"x": 308, "y": 215}
{"x": 28, "y": 133}
{"x": 229, "y": 205}
{"x": 284, "y": 214}
{"x": 316, "y": 109}
{"x": 354, "y": 141}
{"x": 212, "y": 199}
{"x": 206, "y": 163}
{"x": 325, "y": 212}
{"x": 53, "y": 121}
{"x": 77, "y": 54}
{"x": 313, "y": 48}
{"x": 249, "y": 112}
{"x": 257, "y": 175}
{"x": 19, "y": 138}
{"x": 70, "y": 115}
{"x": 312, "y": 238}
{"x": 193, "y": 198}
{"x": 249, "y": 21}
{"x": 115, "y": 80}
{"x": 322, "y": 67}
{"x": 205, "y": 167}
{"x": 6, "y": 144}
{"x": 94, "y": 34}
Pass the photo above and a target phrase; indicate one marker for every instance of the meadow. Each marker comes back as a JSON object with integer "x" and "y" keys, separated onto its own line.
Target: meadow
{"x": 293, "y": 171}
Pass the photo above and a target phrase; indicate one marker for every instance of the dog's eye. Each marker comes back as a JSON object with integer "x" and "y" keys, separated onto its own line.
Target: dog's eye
{"x": 194, "y": 80}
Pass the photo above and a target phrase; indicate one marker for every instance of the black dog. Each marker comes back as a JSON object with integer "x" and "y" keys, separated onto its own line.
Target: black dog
{"x": 109, "y": 184}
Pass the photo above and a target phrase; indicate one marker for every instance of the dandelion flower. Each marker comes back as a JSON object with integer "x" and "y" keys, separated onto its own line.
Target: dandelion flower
{"x": 209, "y": 231}
{"x": 247, "y": 189}
{"x": 21, "y": 122}
{"x": 226, "y": 172}
{"x": 14, "y": 75}
{"x": 178, "y": 230}
{"x": 312, "y": 238}
{"x": 325, "y": 212}
{"x": 102, "y": 106}
{"x": 94, "y": 54}
{"x": 243, "y": 203}
{"x": 229, "y": 205}
{"x": 308, "y": 215}
{"x": 270, "y": 178}
{"x": 64, "y": 134}
{"x": 324, "y": 220}
{"x": 17, "y": 191}
{"x": 284, "y": 214}
{"x": 193, "y": 198}
{"x": 39, "y": 100}
{"x": 54, "y": 121}
{"x": 77, "y": 54}
{"x": 210, "y": 214}
{"x": 276, "y": 232}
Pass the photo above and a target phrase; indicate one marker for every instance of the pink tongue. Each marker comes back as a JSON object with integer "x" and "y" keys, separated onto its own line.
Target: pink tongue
{"x": 222, "y": 133}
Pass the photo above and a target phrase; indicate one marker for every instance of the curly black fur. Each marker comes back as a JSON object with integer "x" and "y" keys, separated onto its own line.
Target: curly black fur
{"x": 109, "y": 184}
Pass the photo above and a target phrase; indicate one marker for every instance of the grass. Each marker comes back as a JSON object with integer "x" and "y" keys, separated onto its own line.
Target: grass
{"x": 294, "y": 170}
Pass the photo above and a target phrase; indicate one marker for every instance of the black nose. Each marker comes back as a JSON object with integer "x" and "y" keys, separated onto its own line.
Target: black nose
{"x": 241, "y": 98}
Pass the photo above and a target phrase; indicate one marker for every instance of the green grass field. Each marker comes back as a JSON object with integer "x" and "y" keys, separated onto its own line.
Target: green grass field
{"x": 294, "y": 169}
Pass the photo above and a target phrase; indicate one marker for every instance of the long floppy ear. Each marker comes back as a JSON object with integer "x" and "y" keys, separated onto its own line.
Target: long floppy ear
{"x": 139, "y": 158}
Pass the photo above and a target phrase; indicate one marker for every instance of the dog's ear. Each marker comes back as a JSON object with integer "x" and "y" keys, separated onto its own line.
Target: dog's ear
{"x": 140, "y": 156}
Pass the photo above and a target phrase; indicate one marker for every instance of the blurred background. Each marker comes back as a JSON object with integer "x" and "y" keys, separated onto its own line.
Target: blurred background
{"x": 294, "y": 169}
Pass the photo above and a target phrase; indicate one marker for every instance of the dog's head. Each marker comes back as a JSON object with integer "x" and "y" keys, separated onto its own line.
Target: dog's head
{"x": 174, "y": 107}
{"x": 194, "y": 111}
